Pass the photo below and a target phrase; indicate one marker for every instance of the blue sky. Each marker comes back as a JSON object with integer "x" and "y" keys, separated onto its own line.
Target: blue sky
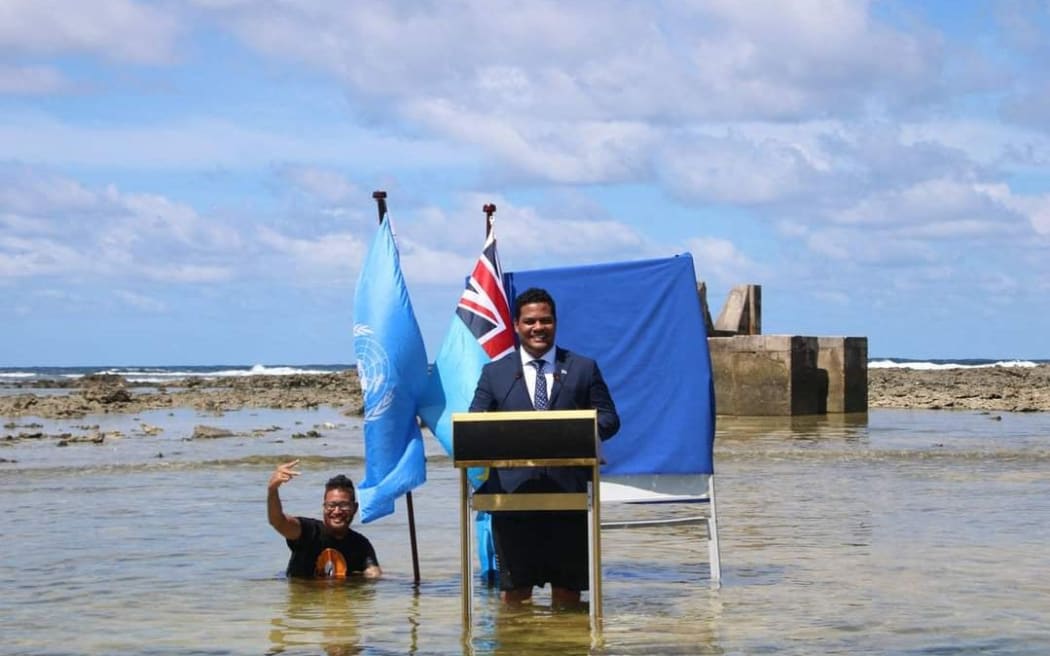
{"x": 190, "y": 182}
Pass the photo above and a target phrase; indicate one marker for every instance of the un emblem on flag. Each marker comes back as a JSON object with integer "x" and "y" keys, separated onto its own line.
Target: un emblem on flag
{"x": 373, "y": 370}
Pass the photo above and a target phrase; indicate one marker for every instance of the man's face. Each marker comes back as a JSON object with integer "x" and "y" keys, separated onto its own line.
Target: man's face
{"x": 339, "y": 508}
{"x": 535, "y": 326}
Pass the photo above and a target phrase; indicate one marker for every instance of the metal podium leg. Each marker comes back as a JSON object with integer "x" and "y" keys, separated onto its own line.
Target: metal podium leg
{"x": 594, "y": 535}
{"x": 466, "y": 565}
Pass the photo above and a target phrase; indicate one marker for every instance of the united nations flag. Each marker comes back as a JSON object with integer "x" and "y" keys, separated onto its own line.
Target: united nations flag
{"x": 392, "y": 366}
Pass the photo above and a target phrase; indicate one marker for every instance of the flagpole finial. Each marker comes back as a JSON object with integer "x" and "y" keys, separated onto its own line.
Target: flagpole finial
{"x": 380, "y": 198}
{"x": 489, "y": 209}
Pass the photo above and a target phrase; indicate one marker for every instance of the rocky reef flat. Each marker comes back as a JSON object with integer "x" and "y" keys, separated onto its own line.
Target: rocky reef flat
{"x": 108, "y": 393}
{"x": 1001, "y": 389}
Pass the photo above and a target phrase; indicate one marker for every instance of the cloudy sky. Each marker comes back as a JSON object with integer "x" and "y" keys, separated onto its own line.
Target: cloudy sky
{"x": 189, "y": 182}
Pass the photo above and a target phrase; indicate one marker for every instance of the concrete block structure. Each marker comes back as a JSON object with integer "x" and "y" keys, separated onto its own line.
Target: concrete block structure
{"x": 845, "y": 359}
{"x": 780, "y": 375}
{"x": 741, "y": 314}
{"x": 766, "y": 375}
{"x": 786, "y": 375}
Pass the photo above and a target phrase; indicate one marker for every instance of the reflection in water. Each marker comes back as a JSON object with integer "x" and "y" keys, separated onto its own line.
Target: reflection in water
{"x": 853, "y": 425}
{"x": 533, "y": 628}
{"x": 666, "y": 608}
{"x": 322, "y": 612}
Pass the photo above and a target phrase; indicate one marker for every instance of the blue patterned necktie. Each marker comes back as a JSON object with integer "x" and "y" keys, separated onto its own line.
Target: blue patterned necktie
{"x": 541, "y": 386}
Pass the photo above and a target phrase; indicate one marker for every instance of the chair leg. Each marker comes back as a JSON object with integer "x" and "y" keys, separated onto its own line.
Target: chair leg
{"x": 714, "y": 558}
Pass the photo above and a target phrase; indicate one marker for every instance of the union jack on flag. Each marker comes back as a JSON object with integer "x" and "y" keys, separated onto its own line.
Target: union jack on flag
{"x": 480, "y": 332}
{"x": 483, "y": 306}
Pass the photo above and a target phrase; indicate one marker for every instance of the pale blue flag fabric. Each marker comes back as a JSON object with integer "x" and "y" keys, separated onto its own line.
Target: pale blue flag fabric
{"x": 481, "y": 331}
{"x": 392, "y": 366}
{"x": 453, "y": 380}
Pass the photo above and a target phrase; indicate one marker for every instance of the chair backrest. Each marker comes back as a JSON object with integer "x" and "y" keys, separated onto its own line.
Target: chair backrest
{"x": 655, "y": 488}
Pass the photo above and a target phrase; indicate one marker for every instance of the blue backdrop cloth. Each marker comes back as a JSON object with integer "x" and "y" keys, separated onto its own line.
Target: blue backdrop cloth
{"x": 392, "y": 366}
{"x": 643, "y": 324}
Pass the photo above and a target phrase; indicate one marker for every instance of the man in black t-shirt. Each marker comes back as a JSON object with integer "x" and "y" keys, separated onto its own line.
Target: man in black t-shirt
{"x": 322, "y": 549}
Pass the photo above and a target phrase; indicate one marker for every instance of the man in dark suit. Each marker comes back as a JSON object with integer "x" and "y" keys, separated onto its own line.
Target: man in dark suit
{"x": 538, "y": 547}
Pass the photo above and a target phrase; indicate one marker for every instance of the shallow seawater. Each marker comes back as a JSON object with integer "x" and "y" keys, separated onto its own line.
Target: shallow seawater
{"x": 899, "y": 532}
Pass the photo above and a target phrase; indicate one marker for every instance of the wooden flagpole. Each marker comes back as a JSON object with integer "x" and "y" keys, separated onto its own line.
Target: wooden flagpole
{"x": 380, "y": 199}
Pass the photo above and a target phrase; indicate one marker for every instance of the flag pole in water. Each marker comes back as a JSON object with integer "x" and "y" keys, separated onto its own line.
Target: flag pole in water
{"x": 480, "y": 331}
{"x": 489, "y": 209}
{"x": 380, "y": 199}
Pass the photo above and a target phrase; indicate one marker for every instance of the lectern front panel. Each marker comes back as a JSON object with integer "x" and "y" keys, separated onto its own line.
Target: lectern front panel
{"x": 565, "y": 434}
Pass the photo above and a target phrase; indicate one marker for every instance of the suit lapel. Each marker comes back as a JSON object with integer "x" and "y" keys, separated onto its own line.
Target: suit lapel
{"x": 517, "y": 395}
{"x": 561, "y": 369}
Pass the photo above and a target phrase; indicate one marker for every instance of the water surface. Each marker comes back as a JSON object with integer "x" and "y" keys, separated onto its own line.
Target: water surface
{"x": 903, "y": 532}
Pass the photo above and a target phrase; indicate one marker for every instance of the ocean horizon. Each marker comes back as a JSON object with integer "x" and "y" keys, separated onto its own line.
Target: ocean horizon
{"x": 159, "y": 374}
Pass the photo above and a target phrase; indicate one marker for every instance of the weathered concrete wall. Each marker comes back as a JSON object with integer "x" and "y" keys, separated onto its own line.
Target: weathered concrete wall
{"x": 786, "y": 375}
{"x": 741, "y": 314}
{"x": 845, "y": 359}
{"x": 762, "y": 375}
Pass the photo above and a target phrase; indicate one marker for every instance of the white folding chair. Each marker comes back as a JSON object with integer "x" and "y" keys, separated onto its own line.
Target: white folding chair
{"x": 669, "y": 499}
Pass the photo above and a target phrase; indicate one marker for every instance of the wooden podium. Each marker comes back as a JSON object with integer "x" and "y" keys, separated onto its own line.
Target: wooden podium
{"x": 548, "y": 438}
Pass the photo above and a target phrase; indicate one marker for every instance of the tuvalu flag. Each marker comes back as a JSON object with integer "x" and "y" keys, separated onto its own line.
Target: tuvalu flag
{"x": 392, "y": 366}
{"x": 480, "y": 331}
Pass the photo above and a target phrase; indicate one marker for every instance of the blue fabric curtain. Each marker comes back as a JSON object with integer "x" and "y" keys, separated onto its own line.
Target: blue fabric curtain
{"x": 642, "y": 322}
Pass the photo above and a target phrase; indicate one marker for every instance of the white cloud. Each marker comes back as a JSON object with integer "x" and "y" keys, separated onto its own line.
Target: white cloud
{"x": 27, "y": 191}
{"x": 583, "y": 152}
{"x": 140, "y": 301}
{"x": 986, "y": 142}
{"x": 32, "y": 257}
{"x": 329, "y": 255}
{"x": 791, "y": 60}
{"x": 156, "y": 218}
{"x": 735, "y": 170}
{"x": 931, "y": 202}
{"x": 700, "y": 60}
{"x": 427, "y": 265}
{"x": 56, "y": 226}
{"x": 857, "y": 251}
{"x": 62, "y": 295}
{"x": 323, "y": 183}
{"x": 208, "y": 142}
{"x": 530, "y": 238}
{"x": 1036, "y": 207}
{"x": 1038, "y": 211}
{"x": 186, "y": 273}
{"x": 719, "y": 263}
{"x": 997, "y": 284}
{"x": 116, "y": 29}
{"x": 31, "y": 80}
{"x": 832, "y": 297}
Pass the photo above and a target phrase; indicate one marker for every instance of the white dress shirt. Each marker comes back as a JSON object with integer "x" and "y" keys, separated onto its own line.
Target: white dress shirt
{"x": 529, "y": 371}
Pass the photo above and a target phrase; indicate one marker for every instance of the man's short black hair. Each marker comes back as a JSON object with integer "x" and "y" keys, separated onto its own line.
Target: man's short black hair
{"x": 340, "y": 482}
{"x": 533, "y": 295}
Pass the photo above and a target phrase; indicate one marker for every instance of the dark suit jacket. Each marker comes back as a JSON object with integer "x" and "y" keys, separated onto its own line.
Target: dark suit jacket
{"x": 578, "y": 385}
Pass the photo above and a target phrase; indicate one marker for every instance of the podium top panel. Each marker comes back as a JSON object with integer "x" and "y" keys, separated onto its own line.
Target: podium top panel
{"x": 530, "y": 435}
